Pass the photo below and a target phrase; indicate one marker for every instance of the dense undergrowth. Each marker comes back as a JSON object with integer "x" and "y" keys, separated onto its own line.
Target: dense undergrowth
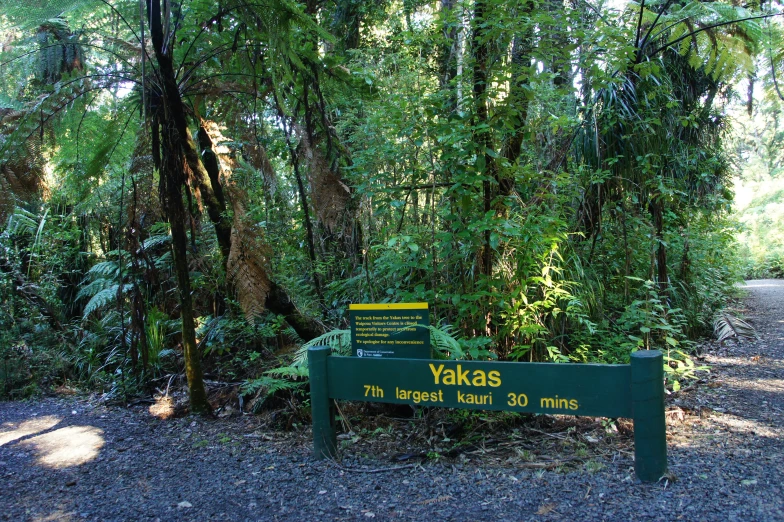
{"x": 553, "y": 182}
{"x": 559, "y": 313}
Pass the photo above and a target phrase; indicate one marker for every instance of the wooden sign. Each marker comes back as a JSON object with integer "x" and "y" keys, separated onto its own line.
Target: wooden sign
{"x": 633, "y": 390}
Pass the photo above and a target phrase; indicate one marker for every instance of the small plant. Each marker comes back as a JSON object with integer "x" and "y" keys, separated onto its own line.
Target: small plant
{"x": 610, "y": 426}
{"x": 434, "y": 456}
{"x": 593, "y": 466}
{"x": 265, "y": 387}
{"x": 524, "y": 454}
{"x": 679, "y": 366}
{"x": 200, "y": 444}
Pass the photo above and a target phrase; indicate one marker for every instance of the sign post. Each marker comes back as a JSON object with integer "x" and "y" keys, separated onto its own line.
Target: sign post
{"x": 597, "y": 390}
{"x": 650, "y": 427}
{"x": 322, "y": 408}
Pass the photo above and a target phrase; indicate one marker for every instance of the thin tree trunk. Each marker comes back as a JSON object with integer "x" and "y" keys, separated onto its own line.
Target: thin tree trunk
{"x": 518, "y": 101}
{"x": 207, "y": 178}
{"x": 656, "y": 208}
{"x": 173, "y": 142}
{"x": 484, "y": 137}
{"x": 449, "y": 50}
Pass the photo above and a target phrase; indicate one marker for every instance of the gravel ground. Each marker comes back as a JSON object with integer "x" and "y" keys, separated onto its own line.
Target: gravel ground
{"x": 67, "y": 458}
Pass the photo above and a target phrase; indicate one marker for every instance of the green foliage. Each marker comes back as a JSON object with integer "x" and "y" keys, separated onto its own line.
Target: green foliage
{"x": 33, "y": 358}
{"x": 267, "y": 386}
{"x": 759, "y": 206}
{"x": 338, "y": 340}
{"x": 553, "y": 180}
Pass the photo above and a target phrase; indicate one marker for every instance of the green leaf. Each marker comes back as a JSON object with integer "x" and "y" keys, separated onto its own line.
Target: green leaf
{"x": 490, "y": 152}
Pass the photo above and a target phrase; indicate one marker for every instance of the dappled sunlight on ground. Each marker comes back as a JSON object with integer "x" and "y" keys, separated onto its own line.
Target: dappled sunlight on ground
{"x": 736, "y": 361}
{"x": 59, "y": 515}
{"x": 746, "y": 426}
{"x": 763, "y": 385}
{"x": 69, "y": 446}
{"x": 697, "y": 433}
{"x": 11, "y": 431}
{"x": 163, "y": 407}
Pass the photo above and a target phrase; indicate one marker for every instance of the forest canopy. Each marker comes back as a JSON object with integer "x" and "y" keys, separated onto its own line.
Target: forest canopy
{"x": 205, "y": 186}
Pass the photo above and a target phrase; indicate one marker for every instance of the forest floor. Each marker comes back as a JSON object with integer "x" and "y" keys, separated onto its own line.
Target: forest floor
{"x": 72, "y": 458}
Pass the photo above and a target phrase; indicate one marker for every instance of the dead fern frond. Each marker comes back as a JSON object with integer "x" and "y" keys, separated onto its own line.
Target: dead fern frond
{"x": 726, "y": 326}
{"x": 246, "y": 268}
{"x": 331, "y": 197}
{"x": 256, "y": 155}
{"x": 21, "y": 170}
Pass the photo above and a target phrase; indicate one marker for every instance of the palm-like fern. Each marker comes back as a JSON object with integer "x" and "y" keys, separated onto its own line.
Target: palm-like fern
{"x": 443, "y": 339}
{"x": 717, "y": 37}
{"x": 338, "y": 340}
{"x": 726, "y": 326}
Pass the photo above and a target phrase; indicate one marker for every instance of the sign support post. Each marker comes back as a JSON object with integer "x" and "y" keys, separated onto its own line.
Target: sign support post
{"x": 322, "y": 407}
{"x": 650, "y": 428}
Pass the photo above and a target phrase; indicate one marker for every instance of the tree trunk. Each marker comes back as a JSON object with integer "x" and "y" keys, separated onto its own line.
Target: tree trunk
{"x": 174, "y": 145}
{"x": 207, "y": 178}
{"x": 656, "y": 207}
{"x": 448, "y": 53}
{"x": 483, "y": 137}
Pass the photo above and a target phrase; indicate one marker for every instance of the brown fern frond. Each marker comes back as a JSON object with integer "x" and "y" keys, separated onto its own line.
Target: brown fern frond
{"x": 256, "y": 155}
{"x": 141, "y": 167}
{"x": 246, "y": 268}
{"x": 21, "y": 170}
{"x": 331, "y": 197}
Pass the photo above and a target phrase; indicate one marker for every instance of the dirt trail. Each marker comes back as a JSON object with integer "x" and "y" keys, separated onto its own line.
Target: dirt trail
{"x": 69, "y": 459}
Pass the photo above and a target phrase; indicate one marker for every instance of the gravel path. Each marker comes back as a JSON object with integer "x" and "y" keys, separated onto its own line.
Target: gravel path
{"x": 68, "y": 459}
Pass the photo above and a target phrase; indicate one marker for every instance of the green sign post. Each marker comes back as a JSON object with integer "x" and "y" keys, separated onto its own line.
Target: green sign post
{"x": 390, "y": 330}
{"x": 597, "y": 390}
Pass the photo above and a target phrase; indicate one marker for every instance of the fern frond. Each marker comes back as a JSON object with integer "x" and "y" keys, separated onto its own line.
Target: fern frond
{"x": 292, "y": 372}
{"x": 103, "y": 298}
{"x": 30, "y": 15}
{"x": 93, "y": 288}
{"x": 444, "y": 341}
{"x": 156, "y": 241}
{"x": 22, "y": 222}
{"x": 265, "y": 387}
{"x": 105, "y": 270}
{"x": 726, "y": 326}
{"x": 338, "y": 340}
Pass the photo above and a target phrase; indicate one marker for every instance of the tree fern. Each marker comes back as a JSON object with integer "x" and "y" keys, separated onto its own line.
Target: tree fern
{"x": 156, "y": 240}
{"x": 265, "y": 387}
{"x": 338, "y": 340}
{"x": 103, "y": 299}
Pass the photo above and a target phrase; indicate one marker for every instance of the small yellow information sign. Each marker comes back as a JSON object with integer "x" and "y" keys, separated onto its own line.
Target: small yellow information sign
{"x": 390, "y": 330}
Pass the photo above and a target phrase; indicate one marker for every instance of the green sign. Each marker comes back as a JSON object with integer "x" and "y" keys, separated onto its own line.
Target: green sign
{"x": 572, "y": 389}
{"x": 389, "y": 330}
{"x": 633, "y": 390}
